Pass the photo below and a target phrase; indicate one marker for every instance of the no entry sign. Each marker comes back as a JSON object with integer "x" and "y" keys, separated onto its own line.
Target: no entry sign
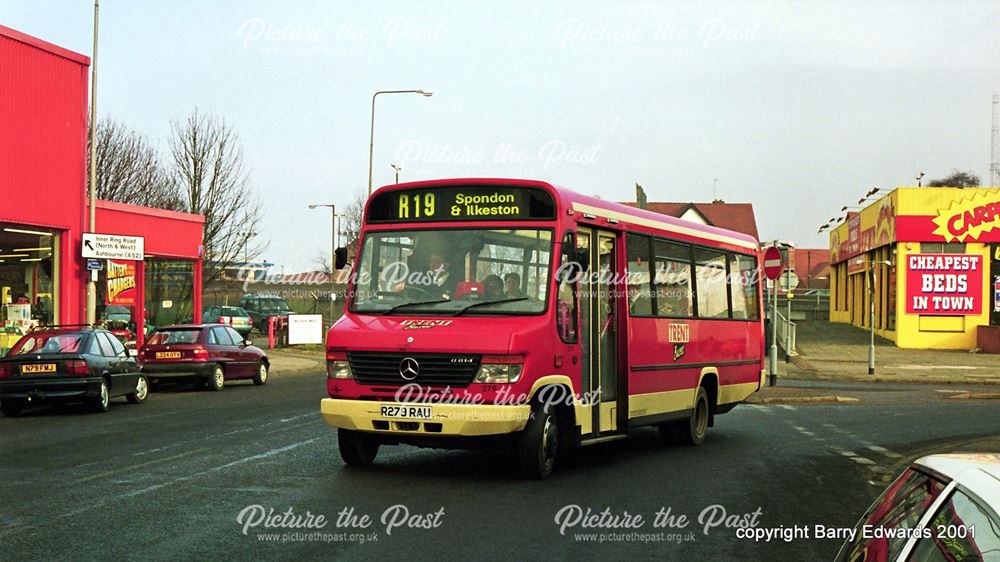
{"x": 772, "y": 263}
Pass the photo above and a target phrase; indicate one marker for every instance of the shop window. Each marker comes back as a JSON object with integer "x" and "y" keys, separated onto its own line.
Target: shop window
{"x": 116, "y": 294}
{"x": 28, "y": 279}
{"x": 640, "y": 283}
{"x": 169, "y": 292}
{"x": 942, "y": 248}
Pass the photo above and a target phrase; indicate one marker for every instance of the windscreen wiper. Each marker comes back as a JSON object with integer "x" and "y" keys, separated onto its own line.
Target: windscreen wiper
{"x": 484, "y": 303}
{"x": 418, "y": 303}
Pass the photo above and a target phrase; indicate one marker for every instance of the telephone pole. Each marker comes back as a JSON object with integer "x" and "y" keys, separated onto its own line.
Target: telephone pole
{"x": 995, "y": 144}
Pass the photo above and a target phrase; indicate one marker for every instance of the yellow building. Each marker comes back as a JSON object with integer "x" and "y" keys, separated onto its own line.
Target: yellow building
{"x": 927, "y": 258}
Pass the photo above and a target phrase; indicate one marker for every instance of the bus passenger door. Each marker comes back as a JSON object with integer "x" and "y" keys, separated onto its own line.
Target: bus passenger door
{"x": 599, "y": 329}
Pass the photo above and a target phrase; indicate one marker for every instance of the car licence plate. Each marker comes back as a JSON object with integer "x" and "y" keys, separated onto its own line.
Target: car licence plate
{"x": 39, "y": 368}
{"x": 411, "y": 412}
{"x": 168, "y": 354}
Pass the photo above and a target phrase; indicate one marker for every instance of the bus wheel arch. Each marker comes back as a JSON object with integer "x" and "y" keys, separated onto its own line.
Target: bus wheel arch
{"x": 549, "y": 431}
{"x": 710, "y": 382}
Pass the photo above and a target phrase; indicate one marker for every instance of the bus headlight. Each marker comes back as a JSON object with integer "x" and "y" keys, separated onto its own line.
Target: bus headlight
{"x": 337, "y": 365}
{"x": 500, "y": 369}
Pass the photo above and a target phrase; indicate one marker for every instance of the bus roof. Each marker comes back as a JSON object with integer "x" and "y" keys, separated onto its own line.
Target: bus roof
{"x": 585, "y": 204}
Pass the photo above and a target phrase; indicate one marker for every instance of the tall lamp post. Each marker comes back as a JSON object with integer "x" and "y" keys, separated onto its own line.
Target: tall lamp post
{"x": 397, "y": 168}
{"x": 91, "y": 304}
{"x": 371, "y": 138}
{"x": 333, "y": 251}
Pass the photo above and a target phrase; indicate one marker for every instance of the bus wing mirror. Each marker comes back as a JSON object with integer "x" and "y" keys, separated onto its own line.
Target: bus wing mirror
{"x": 339, "y": 258}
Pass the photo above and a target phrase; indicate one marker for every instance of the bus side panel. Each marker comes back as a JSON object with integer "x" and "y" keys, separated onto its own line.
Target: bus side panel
{"x": 664, "y": 374}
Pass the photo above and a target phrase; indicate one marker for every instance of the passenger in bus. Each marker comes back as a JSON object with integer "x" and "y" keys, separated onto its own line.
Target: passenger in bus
{"x": 512, "y": 286}
{"x": 493, "y": 287}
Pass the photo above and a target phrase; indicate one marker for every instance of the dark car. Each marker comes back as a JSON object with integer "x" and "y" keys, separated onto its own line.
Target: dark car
{"x": 233, "y": 316}
{"x": 261, "y": 308}
{"x": 212, "y": 353}
{"x": 69, "y": 364}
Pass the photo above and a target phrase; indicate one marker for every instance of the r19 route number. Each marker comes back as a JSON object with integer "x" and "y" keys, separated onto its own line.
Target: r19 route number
{"x": 421, "y": 205}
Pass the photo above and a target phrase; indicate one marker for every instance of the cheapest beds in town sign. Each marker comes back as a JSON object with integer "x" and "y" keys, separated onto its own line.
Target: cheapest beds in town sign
{"x": 944, "y": 284}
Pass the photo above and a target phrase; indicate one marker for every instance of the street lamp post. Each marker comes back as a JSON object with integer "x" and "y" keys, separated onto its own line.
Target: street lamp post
{"x": 371, "y": 137}
{"x": 333, "y": 252}
{"x": 91, "y": 296}
{"x": 397, "y": 168}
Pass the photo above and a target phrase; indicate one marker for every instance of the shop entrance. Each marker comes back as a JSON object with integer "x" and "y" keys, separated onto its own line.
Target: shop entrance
{"x": 29, "y": 275}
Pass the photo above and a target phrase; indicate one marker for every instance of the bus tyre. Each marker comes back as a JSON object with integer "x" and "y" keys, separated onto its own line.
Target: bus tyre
{"x": 538, "y": 443}
{"x": 692, "y": 432}
{"x": 356, "y": 448}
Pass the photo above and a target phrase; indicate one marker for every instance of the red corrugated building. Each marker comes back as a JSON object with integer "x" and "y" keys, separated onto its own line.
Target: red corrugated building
{"x": 43, "y": 209}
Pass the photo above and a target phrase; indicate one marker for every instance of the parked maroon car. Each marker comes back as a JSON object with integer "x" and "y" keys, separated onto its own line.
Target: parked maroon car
{"x": 212, "y": 353}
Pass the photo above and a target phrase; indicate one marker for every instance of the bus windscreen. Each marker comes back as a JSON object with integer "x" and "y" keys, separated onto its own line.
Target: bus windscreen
{"x": 471, "y": 203}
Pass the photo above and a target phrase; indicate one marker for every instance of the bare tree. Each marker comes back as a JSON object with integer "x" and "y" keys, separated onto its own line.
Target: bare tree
{"x": 206, "y": 164}
{"x": 956, "y": 179}
{"x": 350, "y": 224}
{"x": 129, "y": 169}
{"x": 321, "y": 261}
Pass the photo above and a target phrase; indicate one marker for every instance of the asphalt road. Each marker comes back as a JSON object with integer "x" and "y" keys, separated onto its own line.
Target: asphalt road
{"x": 169, "y": 478}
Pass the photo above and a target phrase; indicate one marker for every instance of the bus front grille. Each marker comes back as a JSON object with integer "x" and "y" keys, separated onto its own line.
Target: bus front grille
{"x": 397, "y": 369}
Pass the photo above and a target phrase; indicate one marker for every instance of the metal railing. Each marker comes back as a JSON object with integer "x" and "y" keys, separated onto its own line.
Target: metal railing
{"x": 786, "y": 333}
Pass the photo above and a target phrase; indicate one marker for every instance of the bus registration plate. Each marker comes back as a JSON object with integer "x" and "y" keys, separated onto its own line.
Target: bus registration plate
{"x": 411, "y": 412}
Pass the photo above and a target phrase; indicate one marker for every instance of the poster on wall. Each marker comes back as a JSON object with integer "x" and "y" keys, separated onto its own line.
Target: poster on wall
{"x": 944, "y": 284}
{"x": 121, "y": 283}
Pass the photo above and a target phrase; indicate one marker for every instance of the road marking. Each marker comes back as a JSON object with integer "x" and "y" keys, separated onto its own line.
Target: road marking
{"x": 884, "y": 451}
{"x": 129, "y": 495}
{"x": 140, "y": 465}
{"x": 862, "y": 460}
{"x": 786, "y": 407}
{"x": 298, "y": 417}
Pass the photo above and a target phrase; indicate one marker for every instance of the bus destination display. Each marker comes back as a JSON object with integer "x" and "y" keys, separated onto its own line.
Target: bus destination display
{"x": 470, "y": 203}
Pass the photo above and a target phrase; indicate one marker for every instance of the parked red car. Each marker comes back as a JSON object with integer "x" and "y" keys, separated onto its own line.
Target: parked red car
{"x": 212, "y": 353}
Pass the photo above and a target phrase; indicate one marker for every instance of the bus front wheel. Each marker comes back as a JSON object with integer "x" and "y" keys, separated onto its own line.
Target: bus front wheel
{"x": 356, "y": 448}
{"x": 538, "y": 443}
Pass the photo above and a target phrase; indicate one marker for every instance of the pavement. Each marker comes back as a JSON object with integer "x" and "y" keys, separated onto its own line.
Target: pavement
{"x": 831, "y": 351}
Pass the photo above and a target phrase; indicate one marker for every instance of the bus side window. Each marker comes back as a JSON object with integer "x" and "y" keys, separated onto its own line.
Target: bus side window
{"x": 566, "y": 312}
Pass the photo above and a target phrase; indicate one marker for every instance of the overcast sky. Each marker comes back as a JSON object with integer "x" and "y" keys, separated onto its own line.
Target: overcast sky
{"x": 796, "y": 107}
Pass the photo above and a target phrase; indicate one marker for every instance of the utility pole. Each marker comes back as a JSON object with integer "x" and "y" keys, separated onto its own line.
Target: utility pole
{"x": 788, "y": 320}
{"x": 92, "y": 227}
{"x": 995, "y": 144}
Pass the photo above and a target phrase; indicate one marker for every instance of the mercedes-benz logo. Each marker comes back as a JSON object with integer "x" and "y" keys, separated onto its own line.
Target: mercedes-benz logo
{"x": 409, "y": 368}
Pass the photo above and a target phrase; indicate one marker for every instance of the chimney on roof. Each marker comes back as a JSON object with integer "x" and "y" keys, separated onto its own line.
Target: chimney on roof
{"x": 717, "y": 201}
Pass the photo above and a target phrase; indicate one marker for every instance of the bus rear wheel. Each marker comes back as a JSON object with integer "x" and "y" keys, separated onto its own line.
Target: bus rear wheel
{"x": 692, "y": 431}
{"x": 356, "y": 448}
{"x": 538, "y": 444}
